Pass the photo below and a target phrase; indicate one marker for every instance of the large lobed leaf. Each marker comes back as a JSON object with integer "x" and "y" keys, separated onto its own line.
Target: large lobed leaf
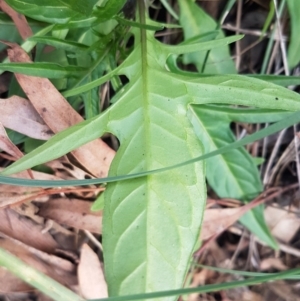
{"x": 151, "y": 224}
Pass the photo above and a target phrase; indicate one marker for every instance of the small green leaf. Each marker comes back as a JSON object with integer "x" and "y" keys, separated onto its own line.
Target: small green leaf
{"x": 234, "y": 174}
{"x": 281, "y": 80}
{"x": 170, "y": 9}
{"x": 48, "y": 70}
{"x": 249, "y": 115}
{"x": 61, "y": 44}
{"x": 294, "y": 46}
{"x": 259, "y": 160}
{"x": 111, "y": 8}
{"x": 78, "y": 23}
{"x": 53, "y": 11}
{"x": 196, "y": 22}
{"x": 138, "y": 25}
{"x": 98, "y": 203}
{"x": 254, "y": 220}
{"x": 202, "y": 46}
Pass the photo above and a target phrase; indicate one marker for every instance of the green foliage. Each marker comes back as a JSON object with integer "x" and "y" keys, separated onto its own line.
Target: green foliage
{"x": 294, "y": 47}
{"x": 196, "y": 22}
{"x": 49, "y": 70}
{"x": 162, "y": 117}
{"x": 242, "y": 180}
{"x": 239, "y": 175}
{"x": 53, "y": 11}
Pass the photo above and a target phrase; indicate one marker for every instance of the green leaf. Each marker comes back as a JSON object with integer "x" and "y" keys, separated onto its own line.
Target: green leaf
{"x": 169, "y": 49}
{"x": 53, "y": 11}
{"x": 281, "y": 80}
{"x": 78, "y": 23}
{"x": 169, "y": 8}
{"x": 156, "y": 135}
{"x": 196, "y": 22}
{"x": 269, "y": 19}
{"x": 294, "y": 46}
{"x": 49, "y": 70}
{"x": 111, "y": 8}
{"x": 228, "y": 114}
{"x": 9, "y": 31}
{"x": 60, "y": 44}
{"x": 138, "y": 25}
{"x": 99, "y": 203}
{"x": 91, "y": 98}
{"x": 233, "y": 174}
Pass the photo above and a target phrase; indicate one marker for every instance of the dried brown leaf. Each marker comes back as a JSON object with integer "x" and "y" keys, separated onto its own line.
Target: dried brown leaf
{"x": 55, "y": 267}
{"x": 65, "y": 169}
{"x": 18, "y": 114}
{"x": 272, "y": 263}
{"x": 11, "y": 284}
{"x": 90, "y": 275}
{"x": 73, "y": 213}
{"x": 15, "y": 195}
{"x": 217, "y": 220}
{"x": 11, "y": 200}
{"x": 26, "y": 231}
{"x": 248, "y": 295}
{"x": 283, "y": 223}
{"x": 7, "y": 145}
{"x": 63, "y": 166}
{"x": 283, "y": 290}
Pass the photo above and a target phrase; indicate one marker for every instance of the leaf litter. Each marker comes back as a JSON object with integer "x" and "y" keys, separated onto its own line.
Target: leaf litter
{"x": 58, "y": 114}
{"x": 94, "y": 286}
{"x": 26, "y": 119}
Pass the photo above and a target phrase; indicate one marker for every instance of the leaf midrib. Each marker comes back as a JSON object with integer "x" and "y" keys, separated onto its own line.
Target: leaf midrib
{"x": 145, "y": 108}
